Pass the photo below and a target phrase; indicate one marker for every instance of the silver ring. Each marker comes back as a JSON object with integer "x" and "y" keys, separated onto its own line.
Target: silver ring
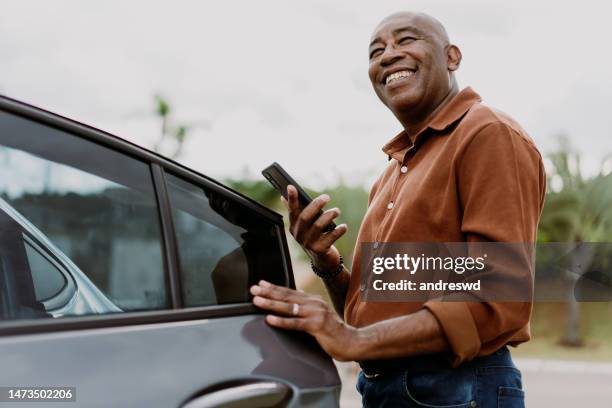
{"x": 296, "y": 309}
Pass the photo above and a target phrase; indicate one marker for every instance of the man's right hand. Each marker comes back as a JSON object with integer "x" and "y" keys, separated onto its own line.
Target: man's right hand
{"x": 307, "y": 227}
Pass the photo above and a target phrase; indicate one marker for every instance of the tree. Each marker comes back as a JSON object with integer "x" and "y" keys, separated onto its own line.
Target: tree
{"x": 178, "y": 133}
{"x": 258, "y": 190}
{"x": 577, "y": 210}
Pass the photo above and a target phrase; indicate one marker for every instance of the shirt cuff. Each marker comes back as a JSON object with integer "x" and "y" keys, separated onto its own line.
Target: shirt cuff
{"x": 459, "y": 327}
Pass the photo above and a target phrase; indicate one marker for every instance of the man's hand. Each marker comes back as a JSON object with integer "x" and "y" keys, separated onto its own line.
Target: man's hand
{"x": 307, "y": 227}
{"x": 313, "y": 316}
{"x": 404, "y": 336}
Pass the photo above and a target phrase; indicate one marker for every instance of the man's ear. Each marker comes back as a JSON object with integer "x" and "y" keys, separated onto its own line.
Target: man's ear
{"x": 453, "y": 54}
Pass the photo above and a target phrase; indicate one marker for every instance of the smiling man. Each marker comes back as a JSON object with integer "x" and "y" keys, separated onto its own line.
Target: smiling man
{"x": 459, "y": 171}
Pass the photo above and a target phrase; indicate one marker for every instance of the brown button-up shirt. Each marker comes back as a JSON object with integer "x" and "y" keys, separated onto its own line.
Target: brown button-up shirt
{"x": 471, "y": 174}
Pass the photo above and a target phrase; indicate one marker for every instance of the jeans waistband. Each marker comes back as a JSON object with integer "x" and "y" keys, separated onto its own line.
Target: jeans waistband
{"x": 433, "y": 362}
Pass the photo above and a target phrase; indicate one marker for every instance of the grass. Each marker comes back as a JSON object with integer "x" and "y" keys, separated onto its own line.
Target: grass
{"x": 548, "y": 322}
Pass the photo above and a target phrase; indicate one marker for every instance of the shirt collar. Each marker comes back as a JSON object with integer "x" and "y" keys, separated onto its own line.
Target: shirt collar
{"x": 449, "y": 114}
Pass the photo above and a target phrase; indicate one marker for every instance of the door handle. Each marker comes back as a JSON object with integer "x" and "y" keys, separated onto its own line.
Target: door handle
{"x": 259, "y": 394}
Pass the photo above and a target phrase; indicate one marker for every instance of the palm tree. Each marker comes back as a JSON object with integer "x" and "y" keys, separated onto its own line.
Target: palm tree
{"x": 577, "y": 210}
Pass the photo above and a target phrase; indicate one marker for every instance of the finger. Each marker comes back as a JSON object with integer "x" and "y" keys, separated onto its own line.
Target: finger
{"x": 324, "y": 220}
{"x": 282, "y": 293}
{"x": 279, "y": 293}
{"x": 275, "y": 306}
{"x": 289, "y": 323}
{"x": 285, "y": 203}
{"x": 308, "y": 216}
{"x": 307, "y": 301}
{"x": 310, "y": 212}
{"x": 288, "y": 309}
{"x": 293, "y": 204}
{"x": 328, "y": 239}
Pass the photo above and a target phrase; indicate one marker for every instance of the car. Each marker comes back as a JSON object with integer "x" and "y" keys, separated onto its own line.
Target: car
{"x": 126, "y": 276}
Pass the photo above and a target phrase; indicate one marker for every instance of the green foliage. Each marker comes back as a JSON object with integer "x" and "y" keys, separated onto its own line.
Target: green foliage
{"x": 178, "y": 133}
{"x": 258, "y": 190}
{"x": 352, "y": 202}
{"x": 579, "y": 209}
{"x": 162, "y": 106}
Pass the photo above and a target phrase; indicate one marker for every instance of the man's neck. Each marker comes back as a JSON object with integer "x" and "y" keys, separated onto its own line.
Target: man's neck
{"x": 412, "y": 125}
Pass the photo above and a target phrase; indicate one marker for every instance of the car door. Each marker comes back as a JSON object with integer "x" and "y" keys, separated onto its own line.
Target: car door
{"x": 125, "y": 276}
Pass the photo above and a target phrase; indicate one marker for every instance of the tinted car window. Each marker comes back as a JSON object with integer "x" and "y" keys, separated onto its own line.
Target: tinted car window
{"x": 92, "y": 207}
{"x": 223, "y": 246}
{"x": 47, "y": 279}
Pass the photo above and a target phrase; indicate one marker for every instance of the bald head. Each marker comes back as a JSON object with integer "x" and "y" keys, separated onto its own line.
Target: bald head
{"x": 429, "y": 25}
{"x": 412, "y": 64}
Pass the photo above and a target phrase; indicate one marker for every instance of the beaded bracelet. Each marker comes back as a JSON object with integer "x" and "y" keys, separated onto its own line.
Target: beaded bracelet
{"x": 328, "y": 275}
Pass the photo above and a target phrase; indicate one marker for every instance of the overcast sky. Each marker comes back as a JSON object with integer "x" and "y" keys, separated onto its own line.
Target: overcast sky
{"x": 287, "y": 80}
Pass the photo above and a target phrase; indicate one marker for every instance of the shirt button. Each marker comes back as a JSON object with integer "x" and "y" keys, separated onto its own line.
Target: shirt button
{"x": 473, "y": 404}
{"x": 375, "y": 245}
{"x": 404, "y": 169}
{"x": 390, "y": 205}
{"x": 362, "y": 287}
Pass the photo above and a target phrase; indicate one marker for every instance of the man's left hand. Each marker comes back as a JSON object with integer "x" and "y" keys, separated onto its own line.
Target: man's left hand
{"x": 312, "y": 315}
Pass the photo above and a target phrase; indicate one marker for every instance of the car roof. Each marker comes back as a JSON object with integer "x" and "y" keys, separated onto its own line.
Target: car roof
{"x": 103, "y": 137}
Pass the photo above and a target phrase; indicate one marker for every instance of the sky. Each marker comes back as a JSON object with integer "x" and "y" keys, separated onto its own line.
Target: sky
{"x": 286, "y": 81}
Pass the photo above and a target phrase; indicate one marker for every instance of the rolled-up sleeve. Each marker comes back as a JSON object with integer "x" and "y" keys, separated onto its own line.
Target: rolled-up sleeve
{"x": 501, "y": 182}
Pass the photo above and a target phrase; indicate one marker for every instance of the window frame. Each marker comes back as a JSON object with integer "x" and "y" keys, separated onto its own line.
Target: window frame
{"x": 158, "y": 166}
{"x": 66, "y": 293}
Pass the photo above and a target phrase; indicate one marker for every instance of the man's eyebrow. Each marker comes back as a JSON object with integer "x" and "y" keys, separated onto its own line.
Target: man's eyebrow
{"x": 374, "y": 41}
{"x": 400, "y": 30}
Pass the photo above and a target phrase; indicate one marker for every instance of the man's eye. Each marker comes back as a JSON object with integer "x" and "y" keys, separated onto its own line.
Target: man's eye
{"x": 376, "y": 53}
{"x": 406, "y": 40}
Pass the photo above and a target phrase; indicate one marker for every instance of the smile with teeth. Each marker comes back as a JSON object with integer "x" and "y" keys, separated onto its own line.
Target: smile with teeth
{"x": 397, "y": 75}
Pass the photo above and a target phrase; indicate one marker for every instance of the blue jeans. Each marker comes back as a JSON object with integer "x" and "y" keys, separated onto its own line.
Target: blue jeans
{"x": 489, "y": 382}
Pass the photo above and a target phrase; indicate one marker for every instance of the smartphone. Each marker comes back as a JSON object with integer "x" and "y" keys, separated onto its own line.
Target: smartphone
{"x": 280, "y": 179}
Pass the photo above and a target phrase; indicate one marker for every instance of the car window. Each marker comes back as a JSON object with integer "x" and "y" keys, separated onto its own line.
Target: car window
{"x": 224, "y": 247}
{"x": 47, "y": 279}
{"x": 90, "y": 206}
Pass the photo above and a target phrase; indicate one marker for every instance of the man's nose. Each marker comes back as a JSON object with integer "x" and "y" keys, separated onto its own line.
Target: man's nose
{"x": 390, "y": 55}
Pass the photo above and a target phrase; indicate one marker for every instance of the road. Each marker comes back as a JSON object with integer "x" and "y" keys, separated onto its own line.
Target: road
{"x": 547, "y": 383}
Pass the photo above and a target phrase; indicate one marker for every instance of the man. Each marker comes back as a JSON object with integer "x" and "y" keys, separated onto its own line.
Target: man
{"x": 458, "y": 172}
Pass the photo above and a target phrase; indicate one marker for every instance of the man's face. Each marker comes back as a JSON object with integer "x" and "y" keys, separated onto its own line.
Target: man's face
{"x": 408, "y": 64}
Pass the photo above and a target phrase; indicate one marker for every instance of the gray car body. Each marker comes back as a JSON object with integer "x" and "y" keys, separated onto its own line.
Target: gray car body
{"x": 165, "y": 364}
{"x": 156, "y": 358}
